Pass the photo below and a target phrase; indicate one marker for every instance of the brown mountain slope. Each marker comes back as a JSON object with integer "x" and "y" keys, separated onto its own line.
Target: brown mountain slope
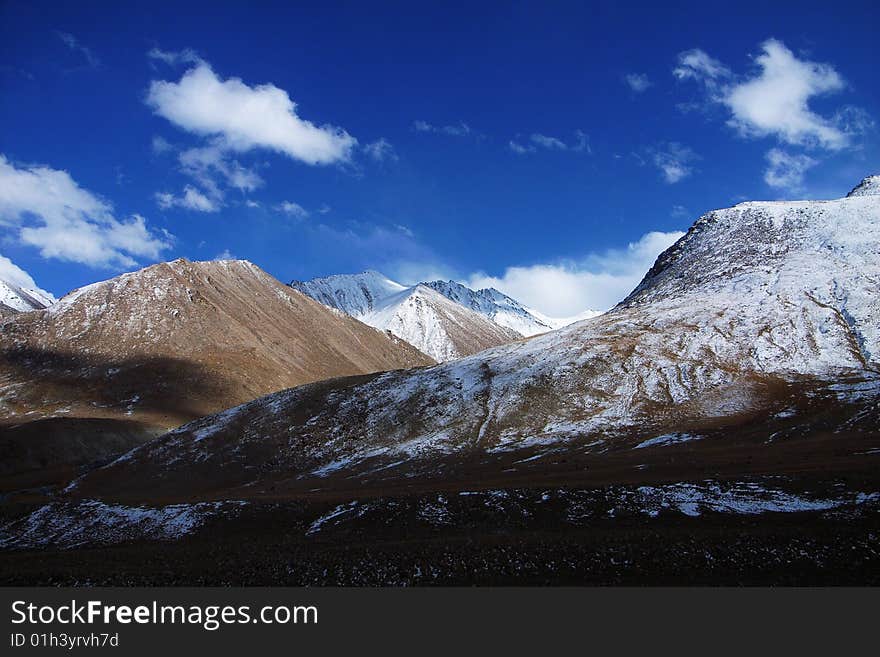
{"x": 171, "y": 343}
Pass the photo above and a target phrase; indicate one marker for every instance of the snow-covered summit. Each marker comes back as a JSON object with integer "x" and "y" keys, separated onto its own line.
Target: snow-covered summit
{"x": 23, "y": 299}
{"x": 18, "y": 291}
{"x": 354, "y": 294}
{"x": 495, "y": 305}
{"x": 870, "y": 186}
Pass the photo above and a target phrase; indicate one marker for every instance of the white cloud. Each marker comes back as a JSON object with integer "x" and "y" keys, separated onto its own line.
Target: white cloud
{"x": 537, "y": 140}
{"x": 73, "y": 44}
{"x": 252, "y": 204}
{"x": 786, "y": 171}
{"x": 674, "y": 161}
{"x": 12, "y": 273}
{"x": 520, "y": 149}
{"x": 324, "y": 209}
{"x": 460, "y": 129}
{"x": 241, "y": 118}
{"x": 201, "y": 163}
{"x": 53, "y": 213}
{"x": 174, "y": 57}
{"x": 596, "y": 282}
{"x": 775, "y": 100}
{"x": 638, "y": 82}
{"x": 550, "y": 143}
{"x": 679, "y": 212}
{"x": 225, "y": 254}
{"x": 191, "y": 199}
{"x": 380, "y": 150}
{"x": 292, "y": 209}
{"x": 161, "y": 145}
{"x": 697, "y": 65}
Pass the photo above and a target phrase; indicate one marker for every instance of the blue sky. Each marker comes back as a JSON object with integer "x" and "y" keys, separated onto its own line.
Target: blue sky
{"x": 549, "y": 149}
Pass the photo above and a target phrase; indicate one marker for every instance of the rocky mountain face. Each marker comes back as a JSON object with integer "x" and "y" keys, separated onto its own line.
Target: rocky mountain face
{"x": 763, "y": 310}
{"x": 167, "y": 344}
{"x": 436, "y": 324}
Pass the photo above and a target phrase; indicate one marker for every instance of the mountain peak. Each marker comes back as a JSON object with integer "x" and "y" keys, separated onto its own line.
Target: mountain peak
{"x": 870, "y": 186}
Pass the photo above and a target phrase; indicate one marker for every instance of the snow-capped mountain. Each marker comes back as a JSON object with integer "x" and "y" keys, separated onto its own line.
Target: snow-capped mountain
{"x": 502, "y": 309}
{"x": 435, "y": 325}
{"x": 21, "y": 299}
{"x": 430, "y": 320}
{"x": 754, "y": 300}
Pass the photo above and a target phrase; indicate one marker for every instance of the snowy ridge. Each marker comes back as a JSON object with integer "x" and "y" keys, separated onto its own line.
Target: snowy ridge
{"x": 23, "y": 299}
{"x": 733, "y": 306}
{"x": 355, "y": 294}
{"x": 498, "y": 307}
{"x": 870, "y": 186}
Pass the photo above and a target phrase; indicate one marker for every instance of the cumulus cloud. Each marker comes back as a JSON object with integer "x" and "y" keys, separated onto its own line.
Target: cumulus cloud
{"x": 775, "y": 99}
{"x": 74, "y": 45}
{"x": 292, "y": 209}
{"x": 596, "y": 282}
{"x": 380, "y": 150}
{"x": 637, "y": 82}
{"x": 12, "y": 273}
{"x": 51, "y": 212}
{"x": 786, "y": 171}
{"x": 674, "y": 161}
{"x": 242, "y": 118}
{"x": 191, "y": 199}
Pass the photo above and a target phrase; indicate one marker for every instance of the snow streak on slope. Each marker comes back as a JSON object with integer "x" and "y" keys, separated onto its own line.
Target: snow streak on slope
{"x": 751, "y": 297}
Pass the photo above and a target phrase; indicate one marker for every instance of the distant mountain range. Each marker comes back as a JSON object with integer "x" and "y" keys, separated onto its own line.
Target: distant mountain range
{"x": 735, "y": 320}
{"x": 444, "y": 319}
{"x": 740, "y": 380}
